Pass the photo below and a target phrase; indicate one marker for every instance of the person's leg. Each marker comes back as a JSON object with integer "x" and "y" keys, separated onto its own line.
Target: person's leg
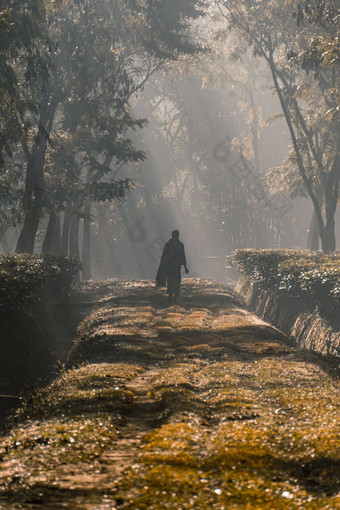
{"x": 168, "y": 285}
{"x": 177, "y": 290}
{"x": 171, "y": 279}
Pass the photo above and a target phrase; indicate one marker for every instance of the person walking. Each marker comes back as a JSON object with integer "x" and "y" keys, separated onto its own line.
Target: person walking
{"x": 169, "y": 271}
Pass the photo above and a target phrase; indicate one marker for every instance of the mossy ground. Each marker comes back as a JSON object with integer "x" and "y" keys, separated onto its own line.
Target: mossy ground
{"x": 197, "y": 406}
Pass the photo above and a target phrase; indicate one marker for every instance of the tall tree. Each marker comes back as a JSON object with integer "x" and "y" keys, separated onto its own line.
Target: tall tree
{"x": 310, "y": 106}
{"x": 22, "y": 35}
{"x": 87, "y": 60}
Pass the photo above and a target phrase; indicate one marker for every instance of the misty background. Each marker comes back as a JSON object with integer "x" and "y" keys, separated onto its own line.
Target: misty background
{"x": 206, "y": 136}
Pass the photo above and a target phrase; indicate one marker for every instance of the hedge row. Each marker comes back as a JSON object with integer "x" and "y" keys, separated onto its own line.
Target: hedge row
{"x": 300, "y": 273}
{"x": 23, "y": 279}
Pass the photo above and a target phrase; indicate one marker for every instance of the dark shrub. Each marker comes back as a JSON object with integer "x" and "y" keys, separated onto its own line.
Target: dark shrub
{"x": 23, "y": 279}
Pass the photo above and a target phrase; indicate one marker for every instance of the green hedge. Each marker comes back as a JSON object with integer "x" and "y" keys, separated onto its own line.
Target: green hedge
{"x": 23, "y": 278}
{"x": 300, "y": 273}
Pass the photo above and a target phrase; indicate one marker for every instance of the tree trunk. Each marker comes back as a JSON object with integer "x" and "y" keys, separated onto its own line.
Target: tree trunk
{"x": 3, "y": 230}
{"x": 74, "y": 239}
{"x": 34, "y": 182}
{"x": 294, "y": 137}
{"x": 31, "y": 222}
{"x": 313, "y": 241}
{"x": 255, "y": 130}
{"x": 328, "y": 241}
{"x": 314, "y": 234}
{"x": 331, "y": 179}
{"x": 328, "y": 238}
{"x": 56, "y": 241}
{"x": 64, "y": 244}
{"x": 104, "y": 240}
{"x": 5, "y": 244}
{"x": 86, "y": 252}
{"x": 74, "y": 235}
{"x": 47, "y": 244}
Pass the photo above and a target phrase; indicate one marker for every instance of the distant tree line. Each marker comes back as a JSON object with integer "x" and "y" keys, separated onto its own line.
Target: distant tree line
{"x": 74, "y": 73}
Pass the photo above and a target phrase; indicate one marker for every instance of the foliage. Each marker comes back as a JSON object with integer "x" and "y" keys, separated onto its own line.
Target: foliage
{"x": 322, "y": 51}
{"x": 74, "y": 69}
{"x": 261, "y": 265}
{"x": 110, "y": 190}
{"x": 310, "y": 106}
{"x": 23, "y": 277}
{"x": 21, "y": 32}
{"x": 297, "y": 272}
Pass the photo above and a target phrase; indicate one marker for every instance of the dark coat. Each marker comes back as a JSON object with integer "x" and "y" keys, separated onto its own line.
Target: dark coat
{"x": 173, "y": 256}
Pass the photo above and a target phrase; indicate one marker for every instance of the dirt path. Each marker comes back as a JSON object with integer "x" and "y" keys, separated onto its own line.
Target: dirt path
{"x": 197, "y": 406}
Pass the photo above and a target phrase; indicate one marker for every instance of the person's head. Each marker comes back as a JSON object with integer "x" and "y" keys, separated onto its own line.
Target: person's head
{"x": 175, "y": 234}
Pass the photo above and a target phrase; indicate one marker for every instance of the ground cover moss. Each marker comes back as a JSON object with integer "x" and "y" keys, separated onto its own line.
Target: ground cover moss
{"x": 83, "y": 390}
{"x": 267, "y": 447}
{"x": 203, "y": 420}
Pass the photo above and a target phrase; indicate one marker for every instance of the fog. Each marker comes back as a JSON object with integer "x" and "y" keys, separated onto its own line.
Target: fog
{"x": 177, "y": 187}
{"x": 141, "y": 124}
